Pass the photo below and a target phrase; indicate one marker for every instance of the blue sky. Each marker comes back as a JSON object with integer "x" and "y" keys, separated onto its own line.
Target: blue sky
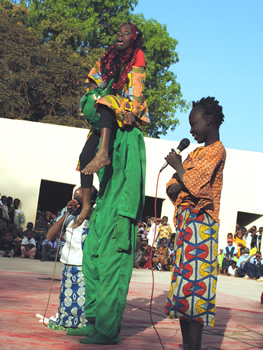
{"x": 220, "y": 54}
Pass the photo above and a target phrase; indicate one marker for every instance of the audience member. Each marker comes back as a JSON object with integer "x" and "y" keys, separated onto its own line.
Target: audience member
{"x": 220, "y": 258}
{"x": 4, "y": 209}
{"x": 240, "y": 242}
{"x": 232, "y": 269}
{"x": 19, "y": 217}
{"x": 164, "y": 230}
{"x": 28, "y": 246}
{"x": 260, "y": 231}
{"x": 242, "y": 264}
{"x": 49, "y": 249}
{"x": 160, "y": 260}
{"x": 7, "y": 245}
{"x": 10, "y": 209}
{"x": 255, "y": 267}
{"x": 229, "y": 254}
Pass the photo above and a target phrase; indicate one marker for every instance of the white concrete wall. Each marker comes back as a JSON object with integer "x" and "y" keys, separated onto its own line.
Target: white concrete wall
{"x": 32, "y": 151}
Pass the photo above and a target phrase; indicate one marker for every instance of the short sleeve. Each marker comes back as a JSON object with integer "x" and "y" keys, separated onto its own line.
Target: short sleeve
{"x": 140, "y": 59}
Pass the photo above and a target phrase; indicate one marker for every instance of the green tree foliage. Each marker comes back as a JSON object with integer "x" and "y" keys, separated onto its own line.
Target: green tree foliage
{"x": 50, "y": 45}
{"x": 38, "y": 82}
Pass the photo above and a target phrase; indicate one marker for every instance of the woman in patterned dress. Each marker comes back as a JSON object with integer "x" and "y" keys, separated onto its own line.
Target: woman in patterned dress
{"x": 195, "y": 191}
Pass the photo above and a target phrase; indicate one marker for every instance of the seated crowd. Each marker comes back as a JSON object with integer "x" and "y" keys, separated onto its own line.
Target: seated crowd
{"x": 32, "y": 242}
{"x": 240, "y": 258}
{"x": 242, "y": 255}
{"x": 162, "y": 239}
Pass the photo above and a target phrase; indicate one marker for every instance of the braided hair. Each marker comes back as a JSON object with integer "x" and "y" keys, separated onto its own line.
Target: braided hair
{"x": 210, "y": 106}
{"x": 117, "y": 64}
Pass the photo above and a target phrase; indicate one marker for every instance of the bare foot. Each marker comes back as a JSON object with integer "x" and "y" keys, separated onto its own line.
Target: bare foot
{"x": 97, "y": 163}
{"x": 84, "y": 214}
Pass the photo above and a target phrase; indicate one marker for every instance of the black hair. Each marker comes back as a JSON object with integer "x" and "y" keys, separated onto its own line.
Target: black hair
{"x": 210, "y": 106}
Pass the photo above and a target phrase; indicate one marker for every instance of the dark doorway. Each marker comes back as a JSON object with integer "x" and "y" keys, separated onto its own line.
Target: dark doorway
{"x": 149, "y": 209}
{"x": 246, "y": 219}
{"x": 53, "y": 196}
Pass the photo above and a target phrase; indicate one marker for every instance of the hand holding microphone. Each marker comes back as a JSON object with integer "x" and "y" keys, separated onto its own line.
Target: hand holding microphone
{"x": 184, "y": 143}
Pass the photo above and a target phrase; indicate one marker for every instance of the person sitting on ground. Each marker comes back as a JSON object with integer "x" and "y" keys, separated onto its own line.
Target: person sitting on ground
{"x": 229, "y": 254}
{"x": 17, "y": 234}
{"x": 28, "y": 246}
{"x": 49, "y": 219}
{"x": 7, "y": 245}
{"x": 160, "y": 261}
{"x": 242, "y": 264}
{"x": 240, "y": 242}
{"x": 255, "y": 267}
{"x": 170, "y": 256}
{"x": 232, "y": 269}
{"x": 29, "y": 228}
{"x": 139, "y": 252}
{"x": 164, "y": 230}
{"x": 142, "y": 231}
{"x": 49, "y": 249}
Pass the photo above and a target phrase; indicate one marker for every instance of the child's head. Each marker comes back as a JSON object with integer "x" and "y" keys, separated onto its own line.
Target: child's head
{"x": 233, "y": 265}
{"x": 258, "y": 256}
{"x": 16, "y": 203}
{"x": 29, "y": 226}
{"x": 205, "y": 119}
{"x": 229, "y": 242}
{"x": 8, "y": 236}
{"x": 160, "y": 249}
{"x": 164, "y": 242}
{"x": 164, "y": 220}
{"x": 118, "y": 60}
{"x": 220, "y": 251}
{"x": 230, "y": 235}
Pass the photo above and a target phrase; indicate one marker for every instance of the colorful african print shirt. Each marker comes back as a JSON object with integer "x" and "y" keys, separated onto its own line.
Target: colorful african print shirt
{"x": 203, "y": 180}
{"x": 129, "y": 99}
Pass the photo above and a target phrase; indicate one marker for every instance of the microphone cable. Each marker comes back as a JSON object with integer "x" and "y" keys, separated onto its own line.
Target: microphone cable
{"x": 151, "y": 299}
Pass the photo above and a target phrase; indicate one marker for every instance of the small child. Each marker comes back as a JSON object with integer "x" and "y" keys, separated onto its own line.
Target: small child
{"x": 7, "y": 246}
{"x": 229, "y": 254}
{"x": 161, "y": 258}
{"x": 232, "y": 269}
{"x": 220, "y": 258}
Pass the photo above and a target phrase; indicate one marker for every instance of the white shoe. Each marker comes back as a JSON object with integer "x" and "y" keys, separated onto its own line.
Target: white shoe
{"x": 260, "y": 279}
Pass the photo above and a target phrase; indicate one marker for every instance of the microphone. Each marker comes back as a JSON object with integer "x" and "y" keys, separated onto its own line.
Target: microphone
{"x": 184, "y": 143}
{"x": 72, "y": 210}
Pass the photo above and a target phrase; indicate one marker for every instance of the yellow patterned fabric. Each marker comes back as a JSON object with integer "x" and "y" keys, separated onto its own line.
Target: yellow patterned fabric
{"x": 194, "y": 273}
{"x": 129, "y": 99}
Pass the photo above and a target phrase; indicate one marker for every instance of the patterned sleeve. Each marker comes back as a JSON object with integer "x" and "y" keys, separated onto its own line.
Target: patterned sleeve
{"x": 200, "y": 172}
{"x": 95, "y": 74}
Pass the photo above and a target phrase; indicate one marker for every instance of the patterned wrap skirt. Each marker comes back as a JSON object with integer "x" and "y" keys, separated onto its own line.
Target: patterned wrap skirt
{"x": 72, "y": 298}
{"x": 194, "y": 273}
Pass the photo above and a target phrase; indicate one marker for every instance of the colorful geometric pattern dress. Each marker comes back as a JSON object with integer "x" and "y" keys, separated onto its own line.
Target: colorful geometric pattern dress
{"x": 194, "y": 273}
{"x": 194, "y": 277}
